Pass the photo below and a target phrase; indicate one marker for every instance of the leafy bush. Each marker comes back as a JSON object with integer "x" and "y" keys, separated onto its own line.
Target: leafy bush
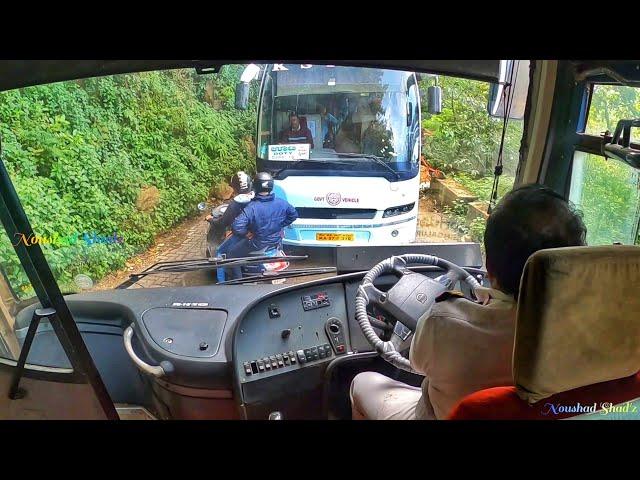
{"x": 80, "y": 152}
{"x": 463, "y": 137}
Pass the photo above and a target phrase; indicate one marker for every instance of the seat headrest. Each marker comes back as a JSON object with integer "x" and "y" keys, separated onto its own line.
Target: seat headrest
{"x": 578, "y": 319}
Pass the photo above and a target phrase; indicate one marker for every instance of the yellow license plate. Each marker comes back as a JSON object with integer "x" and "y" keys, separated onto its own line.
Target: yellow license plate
{"x": 336, "y": 237}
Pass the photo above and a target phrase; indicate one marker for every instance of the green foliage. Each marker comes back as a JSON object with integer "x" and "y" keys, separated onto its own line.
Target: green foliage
{"x": 611, "y": 103}
{"x": 482, "y": 186}
{"x": 80, "y": 152}
{"x": 463, "y": 137}
{"x": 607, "y": 192}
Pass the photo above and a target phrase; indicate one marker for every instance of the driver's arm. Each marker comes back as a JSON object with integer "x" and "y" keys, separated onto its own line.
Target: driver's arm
{"x": 422, "y": 348}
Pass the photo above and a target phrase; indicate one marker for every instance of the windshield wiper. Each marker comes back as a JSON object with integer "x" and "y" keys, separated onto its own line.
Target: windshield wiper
{"x": 266, "y": 276}
{"x": 181, "y": 266}
{"x": 375, "y": 158}
{"x": 317, "y": 160}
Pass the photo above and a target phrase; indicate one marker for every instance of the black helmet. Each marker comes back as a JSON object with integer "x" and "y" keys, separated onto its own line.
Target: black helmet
{"x": 263, "y": 183}
{"x": 241, "y": 182}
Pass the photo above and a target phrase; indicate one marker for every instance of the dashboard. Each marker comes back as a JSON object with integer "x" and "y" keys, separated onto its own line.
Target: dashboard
{"x": 230, "y": 351}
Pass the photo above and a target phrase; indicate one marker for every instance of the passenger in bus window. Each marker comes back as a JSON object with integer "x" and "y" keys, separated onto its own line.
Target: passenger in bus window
{"x": 345, "y": 141}
{"x": 329, "y": 126}
{"x": 296, "y": 133}
{"x": 463, "y": 346}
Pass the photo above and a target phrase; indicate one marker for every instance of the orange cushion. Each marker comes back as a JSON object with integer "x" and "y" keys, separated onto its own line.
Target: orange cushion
{"x": 502, "y": 403}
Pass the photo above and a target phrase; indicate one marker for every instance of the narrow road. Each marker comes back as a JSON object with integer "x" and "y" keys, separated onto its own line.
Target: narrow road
{"x": 187, "y": 241}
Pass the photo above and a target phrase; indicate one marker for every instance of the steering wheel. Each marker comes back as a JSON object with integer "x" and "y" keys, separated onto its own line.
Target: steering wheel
{"x": 409, "y": 300}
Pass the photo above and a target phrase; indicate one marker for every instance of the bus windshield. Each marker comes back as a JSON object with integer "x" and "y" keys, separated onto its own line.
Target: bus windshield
{"x": 326, "y": 113}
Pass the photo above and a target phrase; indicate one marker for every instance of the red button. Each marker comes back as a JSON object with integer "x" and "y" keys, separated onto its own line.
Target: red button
{"x": 340, "y": 348}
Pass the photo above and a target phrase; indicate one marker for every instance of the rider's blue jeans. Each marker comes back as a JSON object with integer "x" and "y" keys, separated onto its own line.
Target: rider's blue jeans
{"x": 233, "y": 247}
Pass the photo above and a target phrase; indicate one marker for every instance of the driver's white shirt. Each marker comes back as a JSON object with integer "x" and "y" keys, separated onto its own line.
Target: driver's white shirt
{"x": 463, "y": 347}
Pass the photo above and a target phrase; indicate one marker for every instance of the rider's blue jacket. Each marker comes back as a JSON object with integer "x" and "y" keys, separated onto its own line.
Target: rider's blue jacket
{"x": 234, "y": 208}
{"x": 265, "y": 216}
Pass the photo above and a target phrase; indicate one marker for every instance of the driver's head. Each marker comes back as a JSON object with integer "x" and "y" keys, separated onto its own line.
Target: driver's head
{"x": 294, "y": 121}
{"x": 527, "y": 219}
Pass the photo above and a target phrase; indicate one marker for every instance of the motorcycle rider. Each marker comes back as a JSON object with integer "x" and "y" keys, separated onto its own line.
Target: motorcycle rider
{"x": 263, "y": 218}
{"x": 241, "y": 184}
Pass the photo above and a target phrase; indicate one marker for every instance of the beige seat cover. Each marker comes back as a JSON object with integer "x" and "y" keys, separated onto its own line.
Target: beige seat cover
{"x": 578, "y": 319}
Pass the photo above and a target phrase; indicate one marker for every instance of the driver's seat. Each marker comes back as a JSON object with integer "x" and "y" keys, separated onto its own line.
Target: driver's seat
{"x": 577, "y": 341}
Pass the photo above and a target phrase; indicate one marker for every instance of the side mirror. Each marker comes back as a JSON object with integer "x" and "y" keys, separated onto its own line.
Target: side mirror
{"x": 434, "y": 100}
{"x": 242, "y": 95}
{"x": 513, "y": 87}
{"x": 202, "y": 206}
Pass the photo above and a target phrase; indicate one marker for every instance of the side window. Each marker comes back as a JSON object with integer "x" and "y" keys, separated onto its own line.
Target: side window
{"x": 460, "y": 147}
{"x": 608, "y": 191}
{"x": 608, "y": 194}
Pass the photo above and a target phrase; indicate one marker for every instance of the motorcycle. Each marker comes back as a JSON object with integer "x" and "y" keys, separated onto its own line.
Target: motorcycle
{"x": 217, "y": 233}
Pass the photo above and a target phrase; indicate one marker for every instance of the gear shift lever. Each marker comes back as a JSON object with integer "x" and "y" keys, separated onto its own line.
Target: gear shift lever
{"x": 275, "y": 416}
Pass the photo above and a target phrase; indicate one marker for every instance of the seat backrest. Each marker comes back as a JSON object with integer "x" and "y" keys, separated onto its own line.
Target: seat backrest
{"x": 577, "y": 335}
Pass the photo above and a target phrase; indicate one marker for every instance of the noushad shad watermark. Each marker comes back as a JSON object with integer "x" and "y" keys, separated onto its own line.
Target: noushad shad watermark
{"x": 57, "y": 240}
{"x": 604, "y": 408}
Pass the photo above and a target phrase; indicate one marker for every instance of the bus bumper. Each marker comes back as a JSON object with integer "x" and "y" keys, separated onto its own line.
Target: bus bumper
{"x": 395, "y": 232}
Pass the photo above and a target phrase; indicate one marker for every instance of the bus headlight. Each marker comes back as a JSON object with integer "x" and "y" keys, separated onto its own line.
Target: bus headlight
{"x": 393, "y": 211}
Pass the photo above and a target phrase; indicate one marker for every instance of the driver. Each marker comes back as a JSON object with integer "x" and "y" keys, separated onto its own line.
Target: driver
{"x": 464, "y": 346}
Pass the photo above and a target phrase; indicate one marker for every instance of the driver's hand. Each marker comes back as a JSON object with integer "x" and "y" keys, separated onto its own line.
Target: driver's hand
{"x": 446, "y": 280}
{"x": 208, "y": 218}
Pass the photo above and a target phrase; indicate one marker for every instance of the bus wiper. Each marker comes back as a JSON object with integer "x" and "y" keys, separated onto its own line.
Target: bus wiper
{"x": 317, "y": 160}
{"x": 181, "y": 266}
{"x": 375, "y": 158}
{"x": 267, "y": 276}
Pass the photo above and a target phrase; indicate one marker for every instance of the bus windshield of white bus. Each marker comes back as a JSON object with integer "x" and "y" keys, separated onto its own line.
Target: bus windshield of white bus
{"x": 344, "y": 117}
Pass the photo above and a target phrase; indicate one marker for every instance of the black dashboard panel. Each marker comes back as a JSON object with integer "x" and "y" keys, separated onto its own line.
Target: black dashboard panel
{"x": 311, "y": 328}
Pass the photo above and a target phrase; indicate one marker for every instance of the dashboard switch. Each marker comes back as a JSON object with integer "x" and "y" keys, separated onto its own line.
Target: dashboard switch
{"x": 267, "y": 363}
{"x": 274, "y": 362}
{"x": 254, "y": 367}
{"x": 301, "y": 357}
{"x": 247, "y": 368}
{"x": 280, "y": 361}
{"x": 292, "y": 357}
{"x": 314, "y": 353}
{"x": 285, "y": 357}
{"x": 274, "y": 311}
{"x": 260, "y": 366}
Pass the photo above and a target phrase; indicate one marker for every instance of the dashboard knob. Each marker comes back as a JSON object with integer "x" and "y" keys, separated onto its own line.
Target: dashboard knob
{"x": 285, "y": 333}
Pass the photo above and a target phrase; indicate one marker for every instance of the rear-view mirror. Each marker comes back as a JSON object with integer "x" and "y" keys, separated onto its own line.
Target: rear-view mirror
{"x": 242, "y": 95}
{"x": 434, "y": 100}
{"x": 510, "y": 93}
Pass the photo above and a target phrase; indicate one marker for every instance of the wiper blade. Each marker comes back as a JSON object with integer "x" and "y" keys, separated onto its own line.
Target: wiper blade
{"x": 375, "y": 158}
{"x": 310, "y": 160}
{"x": 266, "y": 276}
{"x": 180, "y": 266}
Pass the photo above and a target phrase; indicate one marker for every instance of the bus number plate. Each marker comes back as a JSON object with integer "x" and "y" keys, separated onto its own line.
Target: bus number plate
{"x": 333, "y": 237}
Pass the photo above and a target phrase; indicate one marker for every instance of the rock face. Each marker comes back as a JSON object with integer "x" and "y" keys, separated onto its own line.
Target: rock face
{"x": 148, "y": 198}
{"x": 223, "y": 191}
